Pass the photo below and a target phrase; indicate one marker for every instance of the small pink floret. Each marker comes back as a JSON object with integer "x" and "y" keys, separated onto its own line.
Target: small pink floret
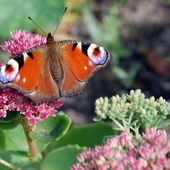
{"x": 128, "y": 153}
{"x": 22, "y": 41}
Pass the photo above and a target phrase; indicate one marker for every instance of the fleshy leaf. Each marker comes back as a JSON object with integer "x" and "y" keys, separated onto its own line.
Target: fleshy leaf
{"x": 9, "y": 125}
{"x": 51, "y": 128}
{"x": 11, "y": 115}
{"x": 3, "y": 141}
{"x": 15, "y": 139}
{"x": 88, "y": 135}
{"x": 18, "y": 160}
{"x": 61, "y": 158}
{"x": 164, "y": 124}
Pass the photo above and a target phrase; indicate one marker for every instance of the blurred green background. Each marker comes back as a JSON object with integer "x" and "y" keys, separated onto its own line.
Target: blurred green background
{"x": 136, "y": 32}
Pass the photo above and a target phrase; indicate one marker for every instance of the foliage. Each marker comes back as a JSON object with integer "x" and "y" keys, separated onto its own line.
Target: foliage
{"x": 131, "y": 149}
{"x": 15, "y": 15}
{"x": 59, "y": 143}
{"x": 168, "y": 1}
{"x": 109, "y": 29}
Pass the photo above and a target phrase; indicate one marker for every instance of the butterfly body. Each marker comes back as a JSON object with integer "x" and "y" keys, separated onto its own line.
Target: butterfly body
{"x": 57, "y": 69}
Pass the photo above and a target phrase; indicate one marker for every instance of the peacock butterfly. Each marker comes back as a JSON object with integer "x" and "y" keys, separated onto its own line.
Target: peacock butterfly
{"x": 57, "y": 69}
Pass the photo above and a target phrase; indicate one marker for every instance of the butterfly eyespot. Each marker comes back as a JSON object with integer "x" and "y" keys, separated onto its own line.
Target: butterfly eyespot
{"x": 97, "y": 54}
{"x": 9, "y": 68}
{"x": 96, "y": 51}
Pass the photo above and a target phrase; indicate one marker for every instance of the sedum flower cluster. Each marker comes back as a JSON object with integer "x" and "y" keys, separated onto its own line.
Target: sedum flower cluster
{"x": 133, "y": 111}
{"x": 12, "y": 100}
{"x": 124, "y": 152}
{"x": 22, "y": 41}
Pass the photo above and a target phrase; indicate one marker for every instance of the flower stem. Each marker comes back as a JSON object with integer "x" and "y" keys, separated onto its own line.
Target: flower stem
{"x": 27, "y": 128}
{"x": 120, "y": 127}
{"x": 8, "y": 165}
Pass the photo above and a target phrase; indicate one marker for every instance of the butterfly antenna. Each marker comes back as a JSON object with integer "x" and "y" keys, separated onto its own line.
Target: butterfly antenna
{"x": 65, "y": 9}
{"x": 37, "y": 25}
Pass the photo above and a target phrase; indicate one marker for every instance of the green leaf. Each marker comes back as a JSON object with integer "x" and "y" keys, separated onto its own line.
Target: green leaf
{"x": 127, "y": 77}
{"x": 20, "y": 160}
{"x": 93, "y": 28}
{"x": 14, "y": 15}
{"x": 2, "y": 137}
{"x": 106, "y": 32}
{"x": 51, "y": 128}
{"x": 9, "y": 125}
{"x": 61, "y": 158}
{"x": 167, "y": 58}
{"x": 11, "y": 140}
{"x": 88, "y": 135}
{"x": 168, "y": 1}
{"x": 11, "y": 115}
{"x": 15, "y": 139}
{"x": 9, "y": 122}
{"x": 97, "y": 118}
{"x": 164, "y": 124}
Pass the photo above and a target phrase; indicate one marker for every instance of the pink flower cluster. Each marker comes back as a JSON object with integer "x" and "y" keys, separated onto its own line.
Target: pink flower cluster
{"x": 123, "y": 152}
{"x": 11, "y": 99}
{"x": 21, "y": 41}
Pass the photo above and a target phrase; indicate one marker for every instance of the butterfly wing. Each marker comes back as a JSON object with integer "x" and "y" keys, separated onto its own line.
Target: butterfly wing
{"x": 29, "y": 73}
{"x": 58, "y": 69}
{"x": 20, "y": 73}
{"x": 80, "y": 60}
